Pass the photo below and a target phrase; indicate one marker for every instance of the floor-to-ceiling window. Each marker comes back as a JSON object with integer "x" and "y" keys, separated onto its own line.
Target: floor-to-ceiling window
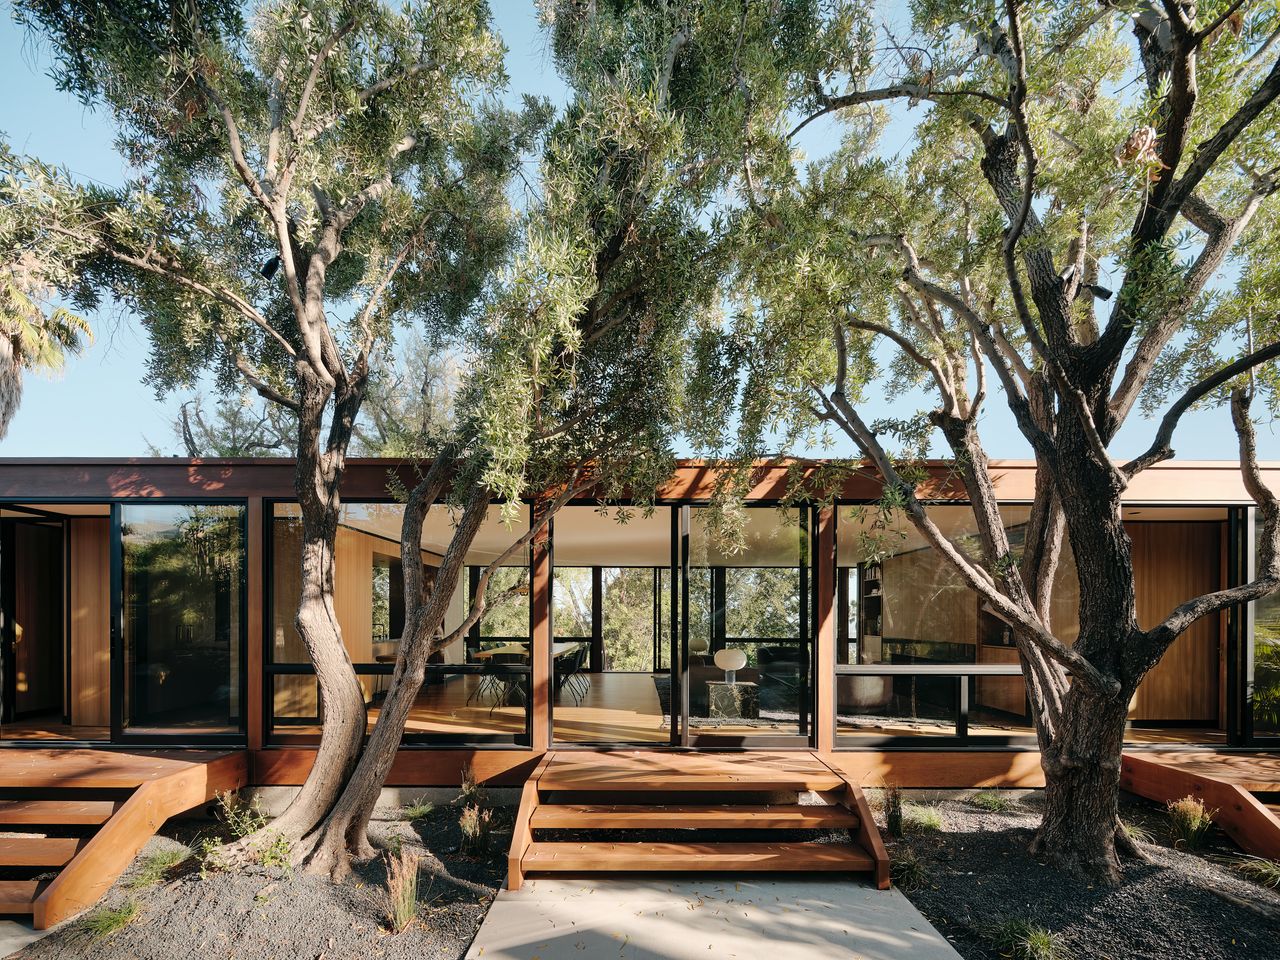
{"x": 747, "y": 621}
{"x": 1264, "y": 661}
{"x": 920, "y": 655}
{"x": 611, "y": 615}
{"x": 182, "y": 617}
{"x": 477, "y": 681}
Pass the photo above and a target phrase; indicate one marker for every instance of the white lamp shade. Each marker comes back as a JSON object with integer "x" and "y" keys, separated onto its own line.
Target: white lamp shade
{"x": 730, "y": 659}
{"x": 698, "y": 645}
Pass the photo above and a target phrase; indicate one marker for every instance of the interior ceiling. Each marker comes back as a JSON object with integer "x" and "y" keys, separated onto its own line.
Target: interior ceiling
{"x": 62, "y": 509}
{"x": 384, "y": 519}
{"x": 585, "y": 537}
{"x": 957, "y": 523}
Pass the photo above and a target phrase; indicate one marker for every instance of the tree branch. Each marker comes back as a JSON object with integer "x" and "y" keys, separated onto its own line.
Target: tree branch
{"x": 1267, "y": 575}
{"x": 1162, "y": 446}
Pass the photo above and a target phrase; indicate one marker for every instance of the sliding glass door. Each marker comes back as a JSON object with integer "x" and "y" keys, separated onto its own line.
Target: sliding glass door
{"x": 747, "y": 664}
{"x": 179, "y": 584}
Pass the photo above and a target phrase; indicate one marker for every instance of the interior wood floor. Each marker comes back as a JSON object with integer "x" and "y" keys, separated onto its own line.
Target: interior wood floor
{"x": 50, "y": 727}
{"x": 886, "y": 727}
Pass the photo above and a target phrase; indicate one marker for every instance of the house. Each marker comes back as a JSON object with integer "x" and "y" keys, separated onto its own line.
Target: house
{"x": 149, "y": 603}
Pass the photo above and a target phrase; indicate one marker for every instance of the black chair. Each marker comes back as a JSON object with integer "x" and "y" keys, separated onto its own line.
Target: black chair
{"x": 506, "y": 686}
{"x": 570, "y": 674}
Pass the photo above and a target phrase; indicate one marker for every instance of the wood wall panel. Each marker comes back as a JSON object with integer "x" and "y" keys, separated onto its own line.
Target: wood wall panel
{"x": 1000, "y": 693}
{"x": 38, "y": 618}
{"x": 354, "y": 554}
{"x": 1174, "y": 562}
{"x": 90, "y": 621}
{"x": 938, "y": 605}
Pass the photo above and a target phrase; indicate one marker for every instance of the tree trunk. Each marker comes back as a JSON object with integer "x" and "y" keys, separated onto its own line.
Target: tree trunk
{"x": 344, "y": 834}
{"x": 317, "y": 481}
{"x": 1080, "y": 829}
{"x": 342, "y": 705}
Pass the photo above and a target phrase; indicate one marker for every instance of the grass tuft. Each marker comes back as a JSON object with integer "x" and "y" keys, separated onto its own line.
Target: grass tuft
{"x": 472, "y": 791}
{"x": 1260, "y": 870}
{"x": 475, "y": 823}
{"x": 922, "y": 818}
{"x": 1136, "y": 832}
{"x": 157, "y": 867}
{"x": 993, "y": 801}
{"x": 1023, "y": 940}
{"x": 893, "y": 811}
{"x": 1190, "y": 822}
{"x": 402, "y": 889}
{"x": 420, "y": 809}
{"x": 105, "y": 921}
{"x": 907, "y": 871}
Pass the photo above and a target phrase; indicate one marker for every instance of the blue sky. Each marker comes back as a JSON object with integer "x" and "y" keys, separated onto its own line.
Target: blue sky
{"x": 99, "y": 405}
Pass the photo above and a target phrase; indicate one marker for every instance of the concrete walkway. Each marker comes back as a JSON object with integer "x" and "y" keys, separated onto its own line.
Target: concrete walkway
{"x": 16, "y": 934}
{"x": 708, "y": 919}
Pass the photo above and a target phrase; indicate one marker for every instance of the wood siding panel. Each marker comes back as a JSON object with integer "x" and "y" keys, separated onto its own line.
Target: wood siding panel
{"x": 933, "y": 602}
{"x": 90, "y": 622}
{"x": 38, "y": 618}
{"x": 1174, "y": 562}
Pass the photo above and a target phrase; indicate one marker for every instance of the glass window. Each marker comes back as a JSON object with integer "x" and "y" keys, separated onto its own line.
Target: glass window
{"x": 468, "y": 695}
{"x": 183, "y": 568}
{"x": 749, "y": 593}
{"x": 1266, "y": 661}
{"x": 611, "y": 607}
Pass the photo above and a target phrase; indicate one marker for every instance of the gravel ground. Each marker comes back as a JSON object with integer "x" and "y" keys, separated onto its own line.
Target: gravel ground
{"x": 1177, "y": 906}
{"x": 262, "y": 913}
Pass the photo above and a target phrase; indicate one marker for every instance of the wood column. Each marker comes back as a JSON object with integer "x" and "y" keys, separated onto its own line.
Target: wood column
{"x": 824, "y": 686}
{"x": 255, "y": 577}
{"x": 540, "y": 641}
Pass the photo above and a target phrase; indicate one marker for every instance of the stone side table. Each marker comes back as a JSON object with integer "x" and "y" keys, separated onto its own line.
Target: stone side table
{"x": 733, "y": 701}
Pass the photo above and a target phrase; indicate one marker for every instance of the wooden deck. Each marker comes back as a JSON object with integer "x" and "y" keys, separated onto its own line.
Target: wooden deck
{"x": 88, "y": 813}
{"x": 1241, "y": 787}
{"x": 756, "y": 793}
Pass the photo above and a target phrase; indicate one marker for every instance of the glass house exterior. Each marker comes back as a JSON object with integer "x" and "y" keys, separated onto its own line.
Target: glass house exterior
{"x": 150, "y": 603}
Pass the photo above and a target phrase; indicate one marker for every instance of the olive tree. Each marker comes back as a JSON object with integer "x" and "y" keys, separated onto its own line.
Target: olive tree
{"x": 302, "y": 188}
{"x": 1068, "y": 207}
{"x": 578, "y": 363}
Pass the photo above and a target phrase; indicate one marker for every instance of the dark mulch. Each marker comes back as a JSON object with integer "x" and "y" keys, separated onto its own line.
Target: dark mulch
{"x": 1177, "y": 906}
{"x": 261, "y": 913}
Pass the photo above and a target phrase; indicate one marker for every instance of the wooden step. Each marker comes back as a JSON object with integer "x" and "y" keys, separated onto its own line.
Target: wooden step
{"x": 648, "y": 772}
{"x": 589, "y": 816}
{"x": 56, "y": 812}
{"x": 695, "y": 857}
{"x": 714, "y": 781}
{"x": 19, "y": 896}
{"x": 39, "y": 851}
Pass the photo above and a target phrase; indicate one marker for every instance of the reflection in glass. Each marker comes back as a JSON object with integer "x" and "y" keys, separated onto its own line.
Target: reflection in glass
{"x": 1266, "y": 660}
{"x": 749, "y": 596}
{"x": 182, "y": 576}
{"x": 369, "y": 604}
{"x": 906, "y": 605}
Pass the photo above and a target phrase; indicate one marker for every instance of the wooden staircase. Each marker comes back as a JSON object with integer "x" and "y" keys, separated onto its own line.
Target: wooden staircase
{"x": 616, "y": 812}
{"x": 1242, "y": 787}
{"x": 71, "y": 821}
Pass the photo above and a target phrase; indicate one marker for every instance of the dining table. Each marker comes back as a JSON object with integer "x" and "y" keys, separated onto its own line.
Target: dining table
{"x": 561, "y": 648}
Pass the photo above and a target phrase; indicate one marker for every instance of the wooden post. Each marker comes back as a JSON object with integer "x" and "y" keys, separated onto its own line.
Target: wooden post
{"x": 255, "y": 573}
{"x": 825, "y": 638}
{"x": 540, "y": 645}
